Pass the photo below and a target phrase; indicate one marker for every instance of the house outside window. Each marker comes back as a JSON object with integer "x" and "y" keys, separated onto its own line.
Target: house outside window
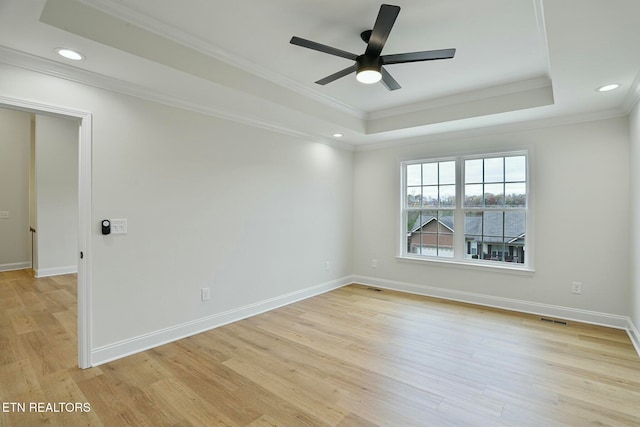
{"x": 468, "y": 209}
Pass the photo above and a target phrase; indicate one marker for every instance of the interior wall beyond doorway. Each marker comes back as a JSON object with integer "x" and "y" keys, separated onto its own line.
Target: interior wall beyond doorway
{"x": 38, "y": 191}
{"x": 15, "y": 241}
{"x": 56, "y": 190}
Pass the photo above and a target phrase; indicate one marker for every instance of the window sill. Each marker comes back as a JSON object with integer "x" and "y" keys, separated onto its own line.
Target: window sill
{"x": 468, "y": 264}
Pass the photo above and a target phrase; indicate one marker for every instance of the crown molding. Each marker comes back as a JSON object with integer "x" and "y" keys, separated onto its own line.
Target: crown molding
{"x": 51, "y": 68}
{"x": 462, "y": 98}
{"x": 633, "y": 95}
{"x": 497, "y": 129}
{"x": 178, "y": 36}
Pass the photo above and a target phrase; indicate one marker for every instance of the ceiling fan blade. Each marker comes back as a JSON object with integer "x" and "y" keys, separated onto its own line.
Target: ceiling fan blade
{"x": 381, "y": 29}
{"x": 322, "y": 48}
{"x": 336, "y": 76}
{"x": 388, "y": 81}
{"x": 428, "y": 55}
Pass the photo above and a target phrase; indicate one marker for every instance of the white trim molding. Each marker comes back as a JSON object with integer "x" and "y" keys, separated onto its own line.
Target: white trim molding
{"x": 56, "y": 271}
{"x": 153, "y": 339}
{"x": 634, "y": 335}
{"x": 157, "y": 338}
{"x": 567, "y": 313}
{"x": 15, "y": 266}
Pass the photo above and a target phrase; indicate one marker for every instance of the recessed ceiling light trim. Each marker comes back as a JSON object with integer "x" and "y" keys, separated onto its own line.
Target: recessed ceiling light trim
{"x": 71, "y": 54}
{"x": 607, "y": 88}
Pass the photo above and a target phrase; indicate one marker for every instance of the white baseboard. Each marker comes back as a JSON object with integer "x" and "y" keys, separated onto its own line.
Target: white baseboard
{"x": 15, "y": 266}
{"x": 634, "y": 334}
{"x": 56, "y": 271}
{"x": 140, "y": 343}
{"x": 144, "y": 342}
{"x": 567, "y": 313}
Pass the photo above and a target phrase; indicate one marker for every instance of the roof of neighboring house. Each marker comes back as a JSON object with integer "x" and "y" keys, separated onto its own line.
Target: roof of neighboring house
{"x": 489, "y": 226}
{"x": 425, "y": 219}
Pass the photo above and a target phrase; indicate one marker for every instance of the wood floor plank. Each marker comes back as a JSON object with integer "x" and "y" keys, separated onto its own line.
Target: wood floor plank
{"x": 198, "y": 410}
{"x": 355, "y": 356}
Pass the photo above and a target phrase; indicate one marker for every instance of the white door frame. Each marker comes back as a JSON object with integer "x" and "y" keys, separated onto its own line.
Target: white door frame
{"x": 84, "y": 215}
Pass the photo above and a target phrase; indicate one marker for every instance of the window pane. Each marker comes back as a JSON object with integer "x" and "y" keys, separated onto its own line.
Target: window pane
{"x": 448, "y": 195}
{"x": 473, "y": 195}
{"x": 429, "y": 244}
{"x": 412, "y": 217}
{"x": 493, "y": 195}
{"x": 446, "y": 222}
{"x": 514, "y": 225}
{"x": 430, "y": 197}
{"x": 445, "y": 248}
{"x": 473, "y": 247}
{"x": 414, "y": 176}
{"x": 413, "y": 243}
{"x": 447, "y": 173}
{"x": 445, "y": 236}
{"x": 496, "y": 251}
{"x": 515, "y": 168}
{"x": 516, "y": 194}
{"x": 473, "y": 223}
{"x": 492, "y": 225}
{"x": 430, "y": 174}
{"x": 473, "y": 171}
{"x": 493, "y": 170}
{"x": 414, "y": 196}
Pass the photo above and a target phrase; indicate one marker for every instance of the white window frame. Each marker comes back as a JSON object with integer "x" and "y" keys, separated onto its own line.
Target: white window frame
{"x": 459, "y": 215}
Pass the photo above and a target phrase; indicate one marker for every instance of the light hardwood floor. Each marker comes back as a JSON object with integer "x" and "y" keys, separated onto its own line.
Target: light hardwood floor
{"x": 351, "y": 357}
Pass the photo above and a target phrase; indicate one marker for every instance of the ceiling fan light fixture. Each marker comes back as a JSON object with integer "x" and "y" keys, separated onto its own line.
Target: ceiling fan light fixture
{"x": 368, "y": 69}
{"x": 368, "y": 66}
{"x": 368, "y": 76}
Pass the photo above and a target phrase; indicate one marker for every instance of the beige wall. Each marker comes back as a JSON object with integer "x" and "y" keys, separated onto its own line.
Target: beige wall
{"x": 56, "y": 190}
{"x": 581, "y": 184}
{"x": 196, "y": 191}
{"x": 15, "y": 141}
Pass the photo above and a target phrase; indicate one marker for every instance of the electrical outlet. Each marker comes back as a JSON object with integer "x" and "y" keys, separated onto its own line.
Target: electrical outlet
{"x": 205, "y": 294}
{"x": 576, "y": 287}
{"x": 326, "y": 266}
{"x": 4, "y": 214}
{"x": 374, "y": 263}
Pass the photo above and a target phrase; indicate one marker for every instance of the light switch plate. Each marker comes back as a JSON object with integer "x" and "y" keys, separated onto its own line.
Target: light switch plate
{"x": 118, "y": 226}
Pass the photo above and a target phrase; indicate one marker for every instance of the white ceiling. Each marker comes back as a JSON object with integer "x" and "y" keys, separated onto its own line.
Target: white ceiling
{"x": 516, "y": 60}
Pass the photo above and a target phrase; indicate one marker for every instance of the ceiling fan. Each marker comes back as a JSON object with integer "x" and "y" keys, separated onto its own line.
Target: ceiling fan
{"x": 369, "y": 67}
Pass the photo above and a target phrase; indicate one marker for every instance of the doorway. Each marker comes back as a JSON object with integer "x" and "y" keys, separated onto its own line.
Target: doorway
{"x": 84, "y": 213}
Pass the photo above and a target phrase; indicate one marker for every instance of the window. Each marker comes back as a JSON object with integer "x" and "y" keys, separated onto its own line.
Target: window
{"x": 431, "y": 202}
{"x": 468, "y": 209}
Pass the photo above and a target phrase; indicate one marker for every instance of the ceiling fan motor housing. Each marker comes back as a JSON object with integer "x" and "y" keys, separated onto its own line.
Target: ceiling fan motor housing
{"x": 365, "y": 62}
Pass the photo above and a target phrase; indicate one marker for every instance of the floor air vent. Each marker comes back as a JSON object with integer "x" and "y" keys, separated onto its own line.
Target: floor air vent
{"x": 558, "y": 322}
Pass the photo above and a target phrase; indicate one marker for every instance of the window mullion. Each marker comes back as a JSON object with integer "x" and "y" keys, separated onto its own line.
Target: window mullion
{"x": 458, "y": 220}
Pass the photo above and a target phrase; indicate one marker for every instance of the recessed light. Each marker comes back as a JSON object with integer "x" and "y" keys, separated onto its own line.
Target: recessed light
{"x": 70, "y": 54}
{"x": 607, "y": 88}
{"x": 337, "y": 135}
